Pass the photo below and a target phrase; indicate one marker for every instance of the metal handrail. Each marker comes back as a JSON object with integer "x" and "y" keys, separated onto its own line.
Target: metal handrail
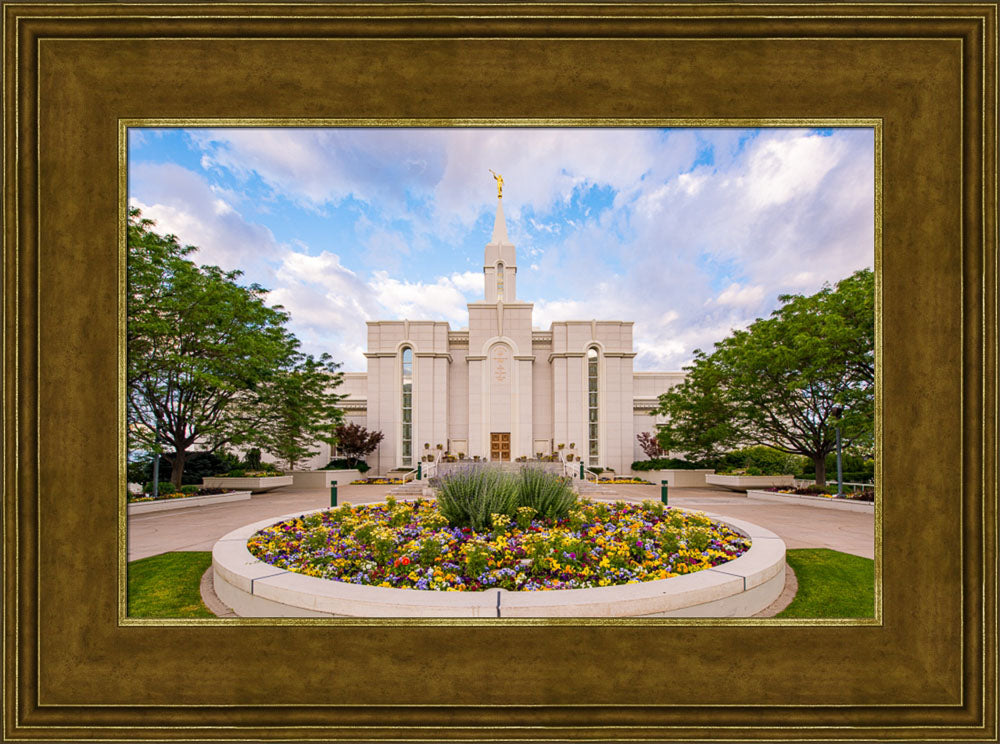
{"x": 411, "y": 475}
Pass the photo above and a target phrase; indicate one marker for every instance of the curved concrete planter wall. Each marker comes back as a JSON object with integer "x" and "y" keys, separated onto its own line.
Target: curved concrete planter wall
{"x": 255, "y": 484}
{"x": 323, "y": 478}
{"x": 745, "y": 482}
{"x": 675, "y": 478}
{"x": 865, "y": 507}
{"x": 740, "y": 588}
{"x": 140, "y": 507}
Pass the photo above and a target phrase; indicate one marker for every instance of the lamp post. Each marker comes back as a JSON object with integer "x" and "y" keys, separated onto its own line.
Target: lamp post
{"x": 156, "y": 460}
{"x": 838, "y": 412}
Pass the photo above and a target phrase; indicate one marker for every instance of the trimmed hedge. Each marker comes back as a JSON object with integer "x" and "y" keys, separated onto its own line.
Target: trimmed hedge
{"x": 666, "y": 463}
{"x": 343, "y": 463}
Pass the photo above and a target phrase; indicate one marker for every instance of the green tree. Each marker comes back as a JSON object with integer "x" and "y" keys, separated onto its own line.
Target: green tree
{"x": 785, "y": 382}
{"x": 198, "y": 344}
{"x": 356, "y": 442}
{"x": 301, "y": 408}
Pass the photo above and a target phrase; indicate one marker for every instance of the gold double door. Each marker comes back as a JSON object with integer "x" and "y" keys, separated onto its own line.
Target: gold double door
{"x": 500, "y": 445}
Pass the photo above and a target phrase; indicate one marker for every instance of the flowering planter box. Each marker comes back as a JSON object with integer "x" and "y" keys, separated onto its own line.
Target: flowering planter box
{"x": 323, "y": 478}
{"x": 823, "y": 502}
{"x": 675, "y": 477}
{"x": 745, "y": 482}
{"x": 186, "y": 502}
{"x": 255, "y": 484}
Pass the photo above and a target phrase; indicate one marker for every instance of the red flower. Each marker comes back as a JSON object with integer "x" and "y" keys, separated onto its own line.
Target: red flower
{"x": 405, "y": 560}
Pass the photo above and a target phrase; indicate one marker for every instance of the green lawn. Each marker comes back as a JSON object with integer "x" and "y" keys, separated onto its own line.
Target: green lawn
{"x": 167, "y": 585}
{"x": 831, "y": 584}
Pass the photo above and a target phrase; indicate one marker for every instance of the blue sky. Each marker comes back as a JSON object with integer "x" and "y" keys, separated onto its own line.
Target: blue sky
{"x": 688, "y": 232}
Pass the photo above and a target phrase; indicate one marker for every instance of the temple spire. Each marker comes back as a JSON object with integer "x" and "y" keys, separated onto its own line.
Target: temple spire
{"x": 499, "y": 226}
{"x": 500, "y": 261}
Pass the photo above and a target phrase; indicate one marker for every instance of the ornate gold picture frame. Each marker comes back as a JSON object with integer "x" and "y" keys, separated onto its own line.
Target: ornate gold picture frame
{"x": 75, "y": 75}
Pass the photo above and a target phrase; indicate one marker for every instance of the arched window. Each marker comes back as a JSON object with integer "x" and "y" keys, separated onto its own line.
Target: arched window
{"x": 593, "y": 417}
{"x": 406, "y": 439}
{"x": 499, "y": 281}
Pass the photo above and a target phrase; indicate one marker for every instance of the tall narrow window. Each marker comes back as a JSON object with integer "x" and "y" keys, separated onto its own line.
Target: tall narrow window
{"x": 499, "y": 281}
{"x": 406, "y": 443}
{"x": 593, "y": 418}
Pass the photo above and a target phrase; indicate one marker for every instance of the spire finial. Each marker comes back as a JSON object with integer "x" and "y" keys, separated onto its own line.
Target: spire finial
{"x": 499, "y": 180}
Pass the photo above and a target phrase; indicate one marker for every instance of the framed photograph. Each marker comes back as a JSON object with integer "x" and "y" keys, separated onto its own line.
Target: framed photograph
{"x": 536, "y": 421}
{"x": 79, "y": 77}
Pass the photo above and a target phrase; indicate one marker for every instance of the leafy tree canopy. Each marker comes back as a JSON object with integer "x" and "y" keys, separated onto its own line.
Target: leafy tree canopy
{"x": 301, "y": 408}
{"x": 786, "y": 381}
{"x": 204, "y": 353}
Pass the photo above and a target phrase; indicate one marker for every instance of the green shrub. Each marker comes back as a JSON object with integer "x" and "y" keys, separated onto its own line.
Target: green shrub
{"x": 166, "y": 487}
{"x": 856, "y": 468}
{"x": 189, "y": 489}
{"x": 197, "y": 465}
{"x": 665, "y": 463}
{"x": 547, "y": 493}
{"x": 819, "y": 489}
{"x": 342, "y": 463}
{"x": 252, "y": 459}
{"x": 469, "y": 497}
{"x": 762, "y": 461}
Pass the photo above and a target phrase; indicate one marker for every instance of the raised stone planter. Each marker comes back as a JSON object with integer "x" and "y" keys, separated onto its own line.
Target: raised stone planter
{"x": 255, "y": 484}
{"x": 675, "y": 477}
{"x": 323, "y": 478}
{"x": 865, "y": 507}
{"x": 739, "y": 588}
{"x": 744, "y": 482}
{"x": 140, "y": 507}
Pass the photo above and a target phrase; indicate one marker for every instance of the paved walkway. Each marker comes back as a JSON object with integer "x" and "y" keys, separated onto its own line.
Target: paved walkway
{"x": 198, "y": 528}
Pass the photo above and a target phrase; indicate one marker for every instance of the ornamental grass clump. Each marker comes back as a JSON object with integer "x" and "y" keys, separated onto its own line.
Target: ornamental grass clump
{"x": 470, "y": 497}
{"x": 547, "y": 493}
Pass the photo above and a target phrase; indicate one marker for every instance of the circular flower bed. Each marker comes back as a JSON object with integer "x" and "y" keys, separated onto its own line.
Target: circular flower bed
{"x": 411, "y": 546}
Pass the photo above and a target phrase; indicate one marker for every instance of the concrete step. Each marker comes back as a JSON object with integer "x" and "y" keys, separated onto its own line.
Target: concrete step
{"x": 586, "y": 488}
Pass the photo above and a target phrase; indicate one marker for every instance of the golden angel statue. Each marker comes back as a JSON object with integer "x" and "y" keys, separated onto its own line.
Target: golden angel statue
{"x": 499, "y": 180}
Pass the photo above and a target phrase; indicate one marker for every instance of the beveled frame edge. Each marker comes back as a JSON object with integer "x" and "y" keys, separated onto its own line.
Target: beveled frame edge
{"x": 982, "y": 291}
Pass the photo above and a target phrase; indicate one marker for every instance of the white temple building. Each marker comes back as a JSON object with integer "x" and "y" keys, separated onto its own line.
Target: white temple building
{"x": 502, "y": 389}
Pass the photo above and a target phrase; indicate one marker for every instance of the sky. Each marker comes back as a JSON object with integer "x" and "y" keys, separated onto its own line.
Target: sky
{"x": 690, "y": 233}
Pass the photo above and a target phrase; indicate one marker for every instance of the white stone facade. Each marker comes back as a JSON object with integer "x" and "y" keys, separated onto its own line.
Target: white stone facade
{"x": 502, "y": 389}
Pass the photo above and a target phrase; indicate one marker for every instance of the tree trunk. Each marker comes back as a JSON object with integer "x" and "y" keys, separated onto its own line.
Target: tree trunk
{"x": 177, "y": 470}
{"x": 820, "y": 462}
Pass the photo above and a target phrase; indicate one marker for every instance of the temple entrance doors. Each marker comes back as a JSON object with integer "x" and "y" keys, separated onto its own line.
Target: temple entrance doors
{"x": 500, "y": 446}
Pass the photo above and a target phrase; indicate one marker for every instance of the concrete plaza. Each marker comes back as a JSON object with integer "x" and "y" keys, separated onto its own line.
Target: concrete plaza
{"x": 799, "y": 526}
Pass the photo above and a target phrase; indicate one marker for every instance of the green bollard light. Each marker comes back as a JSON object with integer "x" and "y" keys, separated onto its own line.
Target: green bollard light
{"x": 420, "y": 470}
{"x": 581, "y": 469}
{"x": 663, "y": 492}
{"x": 333, "y": 494}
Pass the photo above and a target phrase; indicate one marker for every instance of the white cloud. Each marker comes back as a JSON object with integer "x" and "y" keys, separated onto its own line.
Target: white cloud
{"x": 182, "y": 202}
{"x": 688, "y": 253}
{"x": 738, "y": 295}
{"x": 469, "y": 282}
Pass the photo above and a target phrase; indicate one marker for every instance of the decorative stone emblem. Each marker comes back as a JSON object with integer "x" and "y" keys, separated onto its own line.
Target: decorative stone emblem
{"x": 500, "y": 364}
